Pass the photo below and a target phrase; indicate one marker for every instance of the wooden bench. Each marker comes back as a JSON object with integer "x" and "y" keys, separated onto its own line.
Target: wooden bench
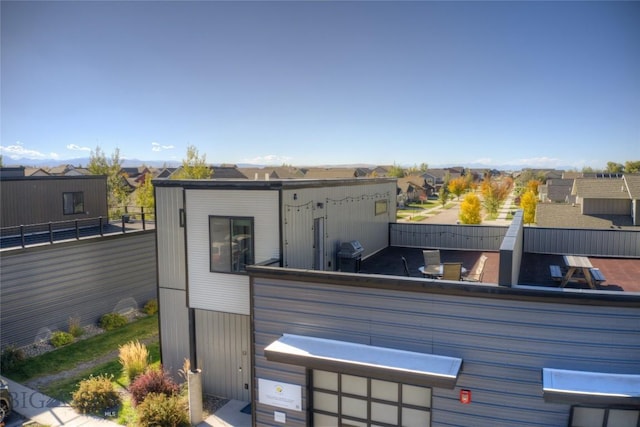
{"x": 597, "y": 275}
{"x": 556, "y": 273}
{"x": 476, "y": 275}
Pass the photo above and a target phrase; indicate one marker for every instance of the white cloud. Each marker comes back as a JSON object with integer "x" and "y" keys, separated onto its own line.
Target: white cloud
{"x": 269, "y": 159}
{"x": 157, "y": 147}
{"x": 18, "y": 151}
{"x": 74, "y": 147}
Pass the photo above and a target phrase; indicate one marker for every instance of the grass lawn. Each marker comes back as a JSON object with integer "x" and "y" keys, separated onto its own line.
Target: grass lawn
{"x": 63, "y": 389}
{"x": 67, "y": 357}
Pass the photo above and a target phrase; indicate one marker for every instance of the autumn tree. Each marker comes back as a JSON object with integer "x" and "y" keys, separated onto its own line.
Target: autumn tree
{"x": 194, "y": 166}
{"x": 528, "y": 203}
{"x": 533, "y": 186}
{"x": 457, "y": 186}
{"x": 470, "y": 209}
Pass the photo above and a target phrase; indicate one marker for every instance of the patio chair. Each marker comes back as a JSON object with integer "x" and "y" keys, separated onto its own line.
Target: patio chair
{"x": 476, "y": 275}
{"x": 452, "y": 271}
{"x": 431, "y": 257}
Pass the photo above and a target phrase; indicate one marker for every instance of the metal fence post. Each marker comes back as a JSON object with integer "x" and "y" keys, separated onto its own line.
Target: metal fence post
{"x": 50, "y": 232}
{"x": 77, "y": 230}
{"x": 101, "y": 230}
{"x": 22, "y": 238}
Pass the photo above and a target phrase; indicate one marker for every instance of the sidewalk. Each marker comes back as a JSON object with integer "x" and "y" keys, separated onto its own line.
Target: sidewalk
{"x": 44, "y": 410}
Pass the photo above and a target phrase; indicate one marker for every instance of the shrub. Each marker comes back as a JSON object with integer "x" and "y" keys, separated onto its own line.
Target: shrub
{"x": 159, "y": 410}
{"x": 10, "y": 358}
{"x": 134, "y": 358}
{"x": 60, "y": 338}
{"x": 151, "y": 307}
{"x": 111, "y": 321}
{"x": 74, "y": 327}
{"x": 152, "y": 381}
{"x": 95, "y": 395}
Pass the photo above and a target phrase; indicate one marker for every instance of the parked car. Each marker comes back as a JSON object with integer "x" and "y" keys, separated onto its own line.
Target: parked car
{"x": 5, "y": 400}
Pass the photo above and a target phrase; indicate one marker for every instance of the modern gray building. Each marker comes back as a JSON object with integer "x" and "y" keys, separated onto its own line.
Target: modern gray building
{"x": 257, "y": 288}
{"x": 208, "y": 231}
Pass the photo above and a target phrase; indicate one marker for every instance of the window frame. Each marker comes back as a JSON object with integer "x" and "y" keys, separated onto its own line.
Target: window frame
{"x": 369, "y": 398}
{"x": 250, "y": 259}
{"x": 606, "y": 410}
{"x": 74, "y": 202}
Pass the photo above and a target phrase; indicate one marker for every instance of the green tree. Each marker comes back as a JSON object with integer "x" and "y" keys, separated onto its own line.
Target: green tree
{"x": 194, "y": 166}
{"x": 423, "y": 167}
{"x": 396, "y": 171}
{"x": 470, "y": 209}
{"x": 613, "y": 167}
{"x": 443, "y": 196}
{"x": 632, "y": 166}
{"x": 117, "y": 188}
{"x": 144, "y": 195}
{"x": 528, "y": 203}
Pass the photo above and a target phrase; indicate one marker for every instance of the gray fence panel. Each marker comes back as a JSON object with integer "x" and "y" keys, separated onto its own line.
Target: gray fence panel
{"x": 605, "y": 243}
{"x": 468, "y": 237}
{"x": 42, "y": 287}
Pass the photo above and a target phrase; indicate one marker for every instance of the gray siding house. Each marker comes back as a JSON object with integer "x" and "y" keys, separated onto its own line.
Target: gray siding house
{"x": 272, "y": 321}
{"x": 209, "y": 231}
{"x": 41, "y": 199}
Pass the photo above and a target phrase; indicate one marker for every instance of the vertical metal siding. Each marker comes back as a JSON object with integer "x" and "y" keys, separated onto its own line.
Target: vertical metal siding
{"x": 504, "y": 344}
{"x": 349, "y": 213}
{"x": 219, "y": 291}
{"x": 174, "y": 329}
{"x": 606, "y": 206}
{"x": 469, "y": 237}
{"x": 170, "y": 238}
{"x": 43, "y": 286}
{"x": 607, "y": 243}
{"x": 34, "y": 201}
{"x": 224, "y": 353}
{"x": 589, "y": 242}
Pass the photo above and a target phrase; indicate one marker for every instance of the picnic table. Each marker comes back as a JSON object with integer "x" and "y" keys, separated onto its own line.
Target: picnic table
{"x": 575, "y": 266}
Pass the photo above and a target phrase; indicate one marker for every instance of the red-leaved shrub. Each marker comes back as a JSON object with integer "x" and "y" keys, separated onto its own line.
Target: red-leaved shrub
{"x": 152, "y": 381}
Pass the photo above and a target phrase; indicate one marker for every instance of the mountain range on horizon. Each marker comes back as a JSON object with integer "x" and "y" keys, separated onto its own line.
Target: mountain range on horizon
{"x": 83, "y": 161}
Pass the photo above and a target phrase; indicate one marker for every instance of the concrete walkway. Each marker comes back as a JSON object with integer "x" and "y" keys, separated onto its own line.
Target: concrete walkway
{"x": 44, "y": 410}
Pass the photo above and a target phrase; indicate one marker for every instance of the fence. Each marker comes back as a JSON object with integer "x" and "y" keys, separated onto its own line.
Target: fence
{"x": 55, "y": 231}
{"x": 43, "y": 286}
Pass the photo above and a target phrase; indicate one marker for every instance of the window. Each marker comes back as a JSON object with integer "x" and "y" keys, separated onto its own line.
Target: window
{"x": 604, "y": 417}
{"x": 381, "y": 207}
{"x": 73, "y": 203}
{"x": 231, "y": 243}
{"x": 349, "y": 400}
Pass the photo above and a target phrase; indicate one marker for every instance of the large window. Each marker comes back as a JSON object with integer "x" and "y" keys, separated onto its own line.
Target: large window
{"x": 348, "y": 400}
{"x": 604, "y": 417}
{"x": 231, "y": 243}
{"x": 73, "y": 203}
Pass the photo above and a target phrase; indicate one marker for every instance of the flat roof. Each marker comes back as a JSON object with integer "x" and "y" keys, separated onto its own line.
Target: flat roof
{"x": 366, "y": 360}
{"x": 561, "y": 385}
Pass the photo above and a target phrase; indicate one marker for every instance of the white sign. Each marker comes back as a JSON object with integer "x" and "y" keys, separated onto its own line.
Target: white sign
{"x": 281, "y": 395}
{"x": 279, "y": 417}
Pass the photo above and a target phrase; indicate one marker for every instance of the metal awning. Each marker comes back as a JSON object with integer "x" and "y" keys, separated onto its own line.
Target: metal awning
{"x": 566, "y": 386}
{"x": 366, "y": 360}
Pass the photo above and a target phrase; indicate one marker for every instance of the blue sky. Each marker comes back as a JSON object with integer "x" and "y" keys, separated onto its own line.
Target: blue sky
{"x": 539, "y": 84}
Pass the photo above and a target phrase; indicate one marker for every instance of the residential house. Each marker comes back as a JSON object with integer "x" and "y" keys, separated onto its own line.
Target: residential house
{"x": 209, "y": 231}
{"x": 602, "y": 196}
{"x": 68, "y": 170}
{"x": 279, "y": 172}
{"x": 35, "y": 172}
{"x": 335, "y": 173}
{"x": 249, "y": 292}
{"x": 556, "y": 190}
{"x": 43, "y": 199}
{"x": 414, "y": 188}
